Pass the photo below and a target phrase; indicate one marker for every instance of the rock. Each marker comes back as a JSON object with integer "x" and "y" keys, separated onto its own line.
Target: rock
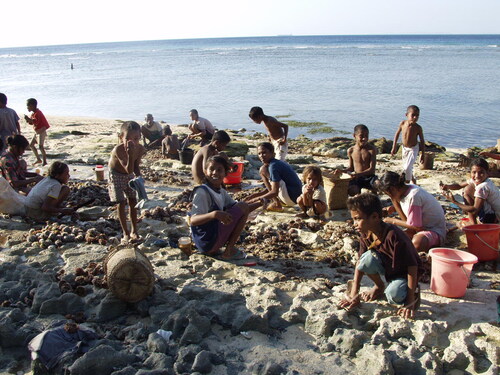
{"x": 391, "y": 329}
{"x": 373, "y": 360}
{"x": 68, "y": 303}
{"x": 236, "y": 148}
{"x": 44, "y": 292}
{"x": 309, "y": 238}
{"x": 154, "y": 372}
{"x": 299, "y": 159}
{"x": 202, "y": 362}
{"x": 129, "y": 370}
{"x": 158, "y": 361}
{"x": 383, "y": 145}
{"x": 188, "y": 325}
{"x": 427, "y": 332}
{"x": 348, "y": 341}
{"x": 93, "y": 213}
{"x": 110, "y": 308}
{"x": 156, "y": 343}
{"x": 185, "y": 358}
{"x": 101, "y": 360}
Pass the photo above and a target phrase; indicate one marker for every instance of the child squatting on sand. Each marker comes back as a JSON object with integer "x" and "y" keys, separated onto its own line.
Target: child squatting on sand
{"x": 47, "y": 197}
{"x": 123, "y": 165}
{"x": 312, "y": 201}
{"x": 219, "y": 142}
{"x": 481, "y": 196}
{"x": 419, "y": 212}
{"x": 362, "y": 162}
{"x": 410, "y": 132}
{"x": 282, "y": 184}
{"x": 384, "y": 250}
{"x": 216, "y": 219}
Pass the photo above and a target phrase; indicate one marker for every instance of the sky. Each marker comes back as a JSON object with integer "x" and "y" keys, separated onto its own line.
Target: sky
{"x": 49, "y": 22}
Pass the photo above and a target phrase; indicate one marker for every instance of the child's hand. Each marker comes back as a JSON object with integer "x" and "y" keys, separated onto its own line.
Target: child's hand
{"x": 309, "y": 188}
{"x": 223, "y": 217}
{"x": 130, "y": 147}
{"x": 443, "y": 186}
{"x": 349, "y": 303}
{"x": 422, "y": 158}
{"x": 281, "y": 141}
{"x": 406, "y": 313}
{"x": 449, "y": 195}
{"x": 393, "y": 151}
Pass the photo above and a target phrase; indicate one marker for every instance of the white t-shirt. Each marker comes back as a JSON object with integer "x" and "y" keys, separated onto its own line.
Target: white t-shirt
{"x": 319, "y": 194}
{"x": 154, "y": 127}
{"x": 48, "y": 187}
{"x": 488, "y": 191}
{"x": 202, "y": 200}
{"x": 204, "y": 125}
{"x": 432, "y": 213}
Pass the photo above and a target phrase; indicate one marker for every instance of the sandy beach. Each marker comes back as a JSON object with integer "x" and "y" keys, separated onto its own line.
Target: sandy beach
{"x": 275, "y": 313}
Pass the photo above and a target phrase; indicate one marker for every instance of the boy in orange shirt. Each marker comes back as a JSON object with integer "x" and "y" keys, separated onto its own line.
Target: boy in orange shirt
{"x": 40, "y": 125}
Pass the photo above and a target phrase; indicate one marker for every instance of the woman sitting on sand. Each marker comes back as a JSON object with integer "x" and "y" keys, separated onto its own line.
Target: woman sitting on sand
{"x": 14, "y": 168}
{"x": 420, "y": 213}
{"x": 283, "y": 186}
{"x": 47, "y": 197}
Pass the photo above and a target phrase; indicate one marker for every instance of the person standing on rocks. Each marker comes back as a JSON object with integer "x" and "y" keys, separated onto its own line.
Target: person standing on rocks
{"x": 278, "y": 131}
{"x": 411, "y": 133}
{"x": 124, "y": 163}
{"x": 384, "y": 250}
{"x": 9, "y": 122}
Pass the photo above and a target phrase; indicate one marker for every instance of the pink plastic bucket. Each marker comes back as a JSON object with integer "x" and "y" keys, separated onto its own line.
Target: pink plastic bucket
{"x": 234, "y": 178}
{"x": 451, "y": 271}
{"x": 482, "y": 240}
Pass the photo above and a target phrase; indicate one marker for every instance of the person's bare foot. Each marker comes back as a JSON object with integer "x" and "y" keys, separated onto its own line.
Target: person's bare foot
{"x": 44, "y": 163}
{"x": 302, "y": 215}
{"x": 37, "y": 162}
{"x": 274, "y": 206}
{"x": 135, "y": 238}
{"x": 125, "y": 239}
{"x": 373, "y": 294}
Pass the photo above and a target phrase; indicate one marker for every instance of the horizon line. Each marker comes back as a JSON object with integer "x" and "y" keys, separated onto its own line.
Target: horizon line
{"x": 244, "y": 37}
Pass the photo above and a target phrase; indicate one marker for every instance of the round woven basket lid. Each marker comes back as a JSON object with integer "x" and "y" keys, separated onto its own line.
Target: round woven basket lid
{"x": 129, "y": 274}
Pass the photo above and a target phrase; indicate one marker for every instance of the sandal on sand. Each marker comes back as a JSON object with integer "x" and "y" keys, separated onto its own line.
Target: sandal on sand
{"x": 238, "y": 255}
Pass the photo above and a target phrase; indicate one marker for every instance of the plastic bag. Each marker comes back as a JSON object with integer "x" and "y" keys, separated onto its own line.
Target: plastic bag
{"x": 11, "y": 202}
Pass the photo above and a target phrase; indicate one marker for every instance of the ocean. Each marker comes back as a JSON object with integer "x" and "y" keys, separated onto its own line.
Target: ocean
{"x": 330, "y": 82}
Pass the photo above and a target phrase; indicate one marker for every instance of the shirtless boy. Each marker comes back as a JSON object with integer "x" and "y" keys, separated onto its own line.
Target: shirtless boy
{"x": 278, "y": 132}
{"x": 362, "y": 161}
{"x": 123, "y": 165}
{"x": 410, "y": 132}
{"x": 215, "y": 147}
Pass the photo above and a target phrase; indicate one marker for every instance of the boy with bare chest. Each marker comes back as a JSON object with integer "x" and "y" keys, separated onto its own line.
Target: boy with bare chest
{"x": 412, "y": 137}
{"x": 278, "y": 132}
{"x": 362, "y": 162}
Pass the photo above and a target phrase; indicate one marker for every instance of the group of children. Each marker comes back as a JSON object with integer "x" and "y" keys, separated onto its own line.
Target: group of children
{"x": 216, "y": 220}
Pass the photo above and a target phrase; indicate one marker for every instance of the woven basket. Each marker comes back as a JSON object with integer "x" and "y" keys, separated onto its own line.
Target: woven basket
{"x": 336, "y": 192}
{"x": 129, "y": 274}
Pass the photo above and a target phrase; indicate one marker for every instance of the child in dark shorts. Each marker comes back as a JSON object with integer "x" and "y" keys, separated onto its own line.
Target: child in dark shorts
{"x": 385, "y": 250}
{"x": 216, "y": 219}
{"x": 362, "y": 162}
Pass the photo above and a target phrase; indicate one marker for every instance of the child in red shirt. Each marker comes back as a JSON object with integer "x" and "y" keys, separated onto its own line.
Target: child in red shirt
{"x": 40, "y": 125}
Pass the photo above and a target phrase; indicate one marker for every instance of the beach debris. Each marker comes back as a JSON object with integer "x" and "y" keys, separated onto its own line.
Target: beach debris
{"x": 82, "y": 192}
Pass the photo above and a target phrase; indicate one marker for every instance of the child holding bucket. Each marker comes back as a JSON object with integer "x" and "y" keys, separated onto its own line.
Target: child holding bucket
{"x": 384, "y": 250}
{"x": 123, "y": 165}
{"x": 218, "y": 144}
{"x": 419, "y": 212}
{"x": 216, "y": 219}
{"x": 481, "y": 196}
{"x": 313, "y": 198}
